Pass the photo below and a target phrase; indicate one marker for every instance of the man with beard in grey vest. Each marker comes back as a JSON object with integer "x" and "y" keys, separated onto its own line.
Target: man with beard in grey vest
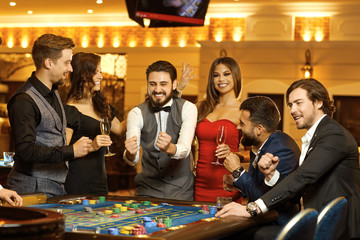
{"x": 164, "y": 126}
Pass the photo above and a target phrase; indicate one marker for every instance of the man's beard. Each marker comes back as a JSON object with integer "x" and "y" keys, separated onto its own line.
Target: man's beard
{"x": 59, "y": 82}
{"x": 157, "y": 103}
{"x": 249, "y": 141}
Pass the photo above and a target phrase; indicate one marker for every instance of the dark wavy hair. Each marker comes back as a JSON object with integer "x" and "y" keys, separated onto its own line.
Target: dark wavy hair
{"x": 263, "y": 111}
{"x": 315, "y": 92}
{"x": 207, "y": 105}
{"x": 84, "y": 67}
{"x": 162, "y": 66}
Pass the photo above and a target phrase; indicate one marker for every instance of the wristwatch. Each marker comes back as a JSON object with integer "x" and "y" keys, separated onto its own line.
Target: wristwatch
{"x": 252, "y": 208}
{"x": 236, "y": 173}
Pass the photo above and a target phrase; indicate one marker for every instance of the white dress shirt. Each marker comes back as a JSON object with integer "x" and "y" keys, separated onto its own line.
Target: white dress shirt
{"x": 306, "y": 139}
{"x": 183, "y": 146}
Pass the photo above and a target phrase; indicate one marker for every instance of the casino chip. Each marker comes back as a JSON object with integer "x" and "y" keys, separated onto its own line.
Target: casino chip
{"x": 108, "y": 211}
{"x": 113, "y": 231}
{"x": 139, "y": 230}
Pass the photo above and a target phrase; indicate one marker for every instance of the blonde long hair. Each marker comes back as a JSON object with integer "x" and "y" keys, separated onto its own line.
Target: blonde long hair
{"x": 207, "y": 105}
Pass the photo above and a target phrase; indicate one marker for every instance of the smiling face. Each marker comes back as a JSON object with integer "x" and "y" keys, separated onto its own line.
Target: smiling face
{"x": 223, "y": 79}
{"x": 61, "y": 67}
{"x": 303, "y": 110}
{"x": 249, "y": 137}
{"x": 160, "y": 88}
{"x": 97, "y": 78}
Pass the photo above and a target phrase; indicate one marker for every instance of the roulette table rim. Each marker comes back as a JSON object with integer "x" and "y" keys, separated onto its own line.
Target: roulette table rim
{"x": 30, "y": 221}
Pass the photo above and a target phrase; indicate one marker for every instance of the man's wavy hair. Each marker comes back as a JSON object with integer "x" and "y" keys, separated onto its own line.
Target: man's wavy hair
{"x": 315, "y": 92}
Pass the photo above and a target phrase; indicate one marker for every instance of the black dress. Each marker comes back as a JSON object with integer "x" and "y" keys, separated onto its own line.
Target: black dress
{"x": 87, "y": 175}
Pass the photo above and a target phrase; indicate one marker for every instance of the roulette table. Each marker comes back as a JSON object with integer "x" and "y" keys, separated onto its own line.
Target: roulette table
{"x": 100, "y": 218}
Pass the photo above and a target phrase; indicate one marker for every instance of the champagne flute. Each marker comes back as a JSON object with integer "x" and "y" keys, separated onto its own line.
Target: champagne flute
{"x": 105, "y": 127}
{"x": 220, "y": 139}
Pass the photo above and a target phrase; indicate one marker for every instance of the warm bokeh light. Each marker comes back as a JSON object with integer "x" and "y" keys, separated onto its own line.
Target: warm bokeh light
{"x": 12, "y": 4}
{"x": 27, "y": 55}
{"x": 312, "y": 28}
{"x": 237, "y": 34}
{"x": 307, "y": 74}
{"x": 132, "y": 43}
{"x": 90, "y": 11}
{"x": 10, "y": 42}
{"x": 116, "y": 42}
{"x": 165, "y": 42}
{"x": 85, "y": 41}
{"x": 30, "y": 12}
{"x": 319, "y": 34}
{"x": 25, "y": 41}
{"x": 101, "y": 41}
{"x": 182, "y": 42}
{"x": 218, "y": 35}
{"x": 148, "y": 42}
{"x": 99, "y": 1}
{"x": 307, "y": 35}
{"x": 146, "y": 22}
{"x": 233, "y": 29}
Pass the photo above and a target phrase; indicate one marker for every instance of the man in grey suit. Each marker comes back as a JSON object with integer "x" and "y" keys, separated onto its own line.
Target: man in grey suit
{"x": 38, "y": 122}
{"x": 164, "y": 126}
{"x": 329, "y": 161}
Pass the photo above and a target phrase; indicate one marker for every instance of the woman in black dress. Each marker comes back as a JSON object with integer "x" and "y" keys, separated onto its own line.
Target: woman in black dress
{"x": 86, "y": 106}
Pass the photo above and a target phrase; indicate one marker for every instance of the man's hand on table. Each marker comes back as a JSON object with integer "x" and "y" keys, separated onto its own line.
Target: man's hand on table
{"x": 233, "y": 209}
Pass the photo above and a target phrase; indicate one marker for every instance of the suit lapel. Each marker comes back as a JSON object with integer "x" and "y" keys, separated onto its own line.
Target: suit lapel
{"x": 314, "y": 138}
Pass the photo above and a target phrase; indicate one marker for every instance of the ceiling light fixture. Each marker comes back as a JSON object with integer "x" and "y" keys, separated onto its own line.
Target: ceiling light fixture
{"x": 307, "y": 69}
{"x": 30, "y": 12}
{"x": 99, "y": 1}
{"x": 12, "y": 4}
{"x": 90, "y": 11}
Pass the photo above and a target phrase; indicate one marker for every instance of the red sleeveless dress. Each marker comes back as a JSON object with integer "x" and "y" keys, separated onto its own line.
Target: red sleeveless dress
{"x": 209, "y": 177}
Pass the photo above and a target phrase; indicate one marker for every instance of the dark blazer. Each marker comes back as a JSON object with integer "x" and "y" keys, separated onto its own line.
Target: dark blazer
{"x": 252, "y": 184}
{"x": 330, "y": 170}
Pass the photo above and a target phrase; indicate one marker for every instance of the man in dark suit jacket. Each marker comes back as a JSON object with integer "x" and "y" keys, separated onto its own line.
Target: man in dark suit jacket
{"x": 329, "y": 163}
{"x": 259, "y": 118}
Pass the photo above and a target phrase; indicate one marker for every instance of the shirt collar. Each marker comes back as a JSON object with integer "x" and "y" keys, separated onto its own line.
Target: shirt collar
{"x": 259, "y": 150}
{"x": 169, "y": 103}
{"x": 38, "y": 85}
{"x": 310, "y": 133}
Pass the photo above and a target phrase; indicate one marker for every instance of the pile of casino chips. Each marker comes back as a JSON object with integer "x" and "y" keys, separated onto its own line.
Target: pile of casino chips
{"x": 206, "y": 209}
{"x": 163, "y": 222}
{"x": 135, "y": 230}
{"x": 139, "y": 230}
{"x": 148, "y": 222}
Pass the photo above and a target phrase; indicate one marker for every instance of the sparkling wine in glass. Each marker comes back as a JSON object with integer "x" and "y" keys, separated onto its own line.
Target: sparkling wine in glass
{"x": 105, "y": 127}
{"x": 220, "y": 139}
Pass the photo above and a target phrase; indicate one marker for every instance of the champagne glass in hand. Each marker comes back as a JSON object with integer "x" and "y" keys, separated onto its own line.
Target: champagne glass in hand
{"x": 220, "y": 139}
{"x": 105, "y": 127}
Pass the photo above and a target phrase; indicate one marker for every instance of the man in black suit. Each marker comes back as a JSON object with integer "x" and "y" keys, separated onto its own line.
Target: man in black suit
{"x": 329, "y": 162}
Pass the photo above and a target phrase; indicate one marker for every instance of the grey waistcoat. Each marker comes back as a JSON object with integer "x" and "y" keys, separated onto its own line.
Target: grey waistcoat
{"x": 50, "y": 132}
{"x": 159, "y": 171}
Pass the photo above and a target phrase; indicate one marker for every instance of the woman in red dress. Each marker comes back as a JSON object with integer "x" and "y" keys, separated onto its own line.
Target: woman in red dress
{"x": 220, "y": 107}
